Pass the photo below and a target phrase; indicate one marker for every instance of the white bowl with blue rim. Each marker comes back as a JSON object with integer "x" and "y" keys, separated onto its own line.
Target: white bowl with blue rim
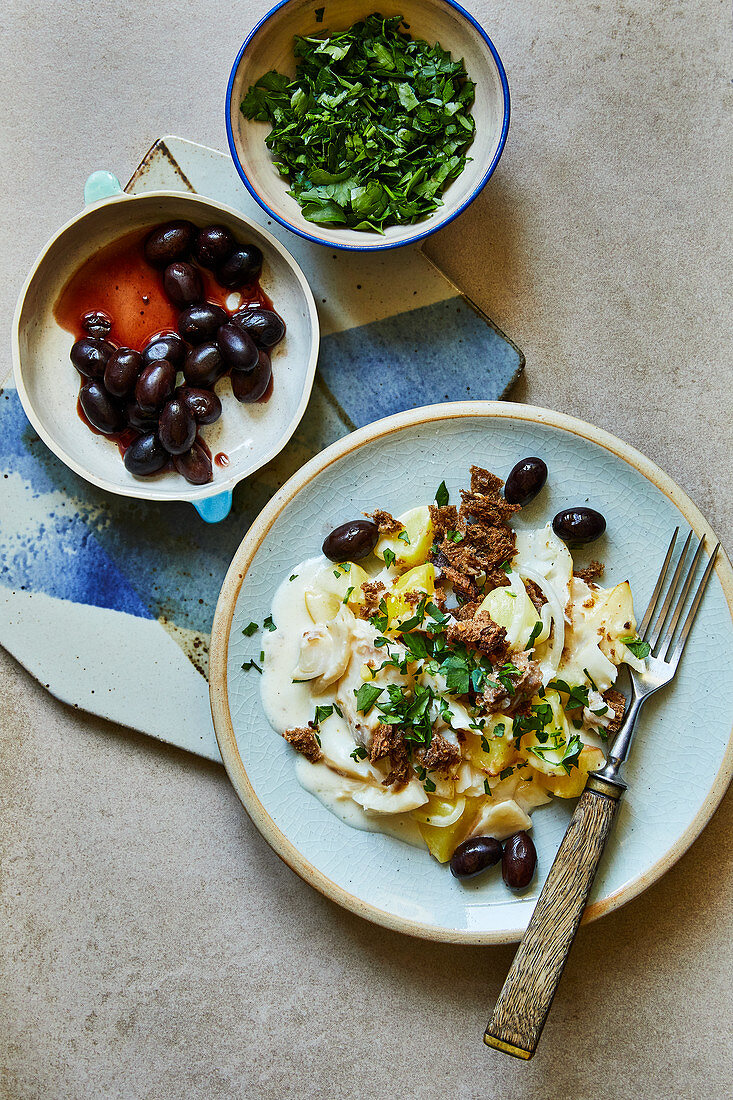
{"x": 270, "y": 46}
{"x": 48, "y": 384}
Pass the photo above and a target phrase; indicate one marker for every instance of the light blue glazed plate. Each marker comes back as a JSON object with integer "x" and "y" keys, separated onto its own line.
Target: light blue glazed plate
{"x": 683, "y": 755}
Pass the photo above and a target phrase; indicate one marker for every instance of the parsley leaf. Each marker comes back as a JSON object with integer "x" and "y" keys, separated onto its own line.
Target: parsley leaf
{"x": 536, "y": 631}
{"x": 359, "y": 753}
{"x": 322, "y": 713}
{"x": 441, "y": 495}
{"x": 366, "y": 697}
{"x": 251, "y": 664}
{"x": 404, "y": 537}
{"x": 638, "y": 648}
{"x": 389, "y": 558}
{"x": 269, "y": 624}
{"x": 250, "y": 630}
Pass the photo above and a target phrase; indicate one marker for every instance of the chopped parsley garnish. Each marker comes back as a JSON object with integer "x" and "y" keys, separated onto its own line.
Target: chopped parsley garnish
{"x": 366, "y": 697}
{"x": 251, "y": 664}
{"x": 404, "y": 537}
{"x": 322, "y": 713}
{"x": 487, "y": 788}
{"x": 536, "y": 631}
{"x": 389, "y": 558}
{"x": 506, "y": 773}
{"x": 638, "y": 648}
{"x": 454, "y": 536}
{"x": 427, "y": 783}
{"x": 338, "y": 710}
{"x": 499, "y": 729}
{"x": 337, "y": 573}
{"x": 348, "y": 594}
{"x": 577, "y": 696}
{"x": 269, "y": 624}
{"x": 380, "y": 620}
{"x": 506, "y": 566}
{"x": 250, "y": 630}
{"x": 569, "y": 757}
{"x": 293, "y": 576}
{"x": 359, "y": 753}
{"x": 442, "y": 495}
{"x": 319, "y": 14}
{"x": 345, "y": 566}
{"x": 373, "y": 127}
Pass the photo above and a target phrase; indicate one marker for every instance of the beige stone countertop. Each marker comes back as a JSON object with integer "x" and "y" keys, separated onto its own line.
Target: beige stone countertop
{"x": 152, "y": 946}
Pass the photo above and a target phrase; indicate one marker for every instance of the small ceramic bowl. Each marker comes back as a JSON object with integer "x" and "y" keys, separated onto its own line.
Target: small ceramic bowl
{"x": 270, "y": 46}
{"x": 48, "y": 384}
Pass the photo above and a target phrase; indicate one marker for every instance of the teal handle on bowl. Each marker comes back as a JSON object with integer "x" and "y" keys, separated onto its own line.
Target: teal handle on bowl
{"x": 214, "y": 509}
{"x": 101, "y": 185}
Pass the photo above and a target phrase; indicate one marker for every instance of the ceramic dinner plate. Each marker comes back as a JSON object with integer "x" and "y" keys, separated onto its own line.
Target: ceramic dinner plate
{"x": 682, "y": 758}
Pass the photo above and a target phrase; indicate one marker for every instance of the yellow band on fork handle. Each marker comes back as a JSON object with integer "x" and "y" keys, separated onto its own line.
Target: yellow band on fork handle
{"x": 507, "y": 1048}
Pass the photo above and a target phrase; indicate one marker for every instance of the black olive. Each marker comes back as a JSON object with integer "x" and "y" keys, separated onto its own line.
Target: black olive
{"x": 169, "y": 242}
{"x": 145, "y": 456}
{"x": 579, "y": 525}
{"x": 203, "y": 405}
{"x": 182, "y": 283}
{"x": 241, "y": 267}
{"x": 474, "y": 856}
{"x": 351, "y": 541}
{"x": 201, "y": 322}
{"x": 155, "y": 385}
{"x": 214, "y": 244}
{"x": 170, "y": 347}
{"x": 99, "y": 408}
{"x": 265, "y": 326}
{"x": 525, "y": 481}
{"x": 90, "y": 354}
{"x": 176, "y": 428}
{"x": 519, "y": 861}
{"x": 203, "y": 366}
{"x": 250, "y": 386}
{"x": 237, "y": 348}
{"x": 141, "y": 421}
{"x": 96, "y": 323}
{"x": 194, "y": 465}
{"x": 120, "y": 374}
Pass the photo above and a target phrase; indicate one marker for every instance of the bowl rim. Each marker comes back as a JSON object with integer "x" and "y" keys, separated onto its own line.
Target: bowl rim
{"x": 142, "y": 491}
{"x": 224, "y": 614}
{"x": 375, "y": 247}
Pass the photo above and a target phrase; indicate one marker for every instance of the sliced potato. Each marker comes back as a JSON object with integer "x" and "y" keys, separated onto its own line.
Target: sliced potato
{"x": 571, "y": 786}
{"x": 421, "y": 579}
{"x": 442, "y": 843}
{"x": 417, "y": 538}
{"x": 501, "y": 752}
{"x": 327, "y": 593}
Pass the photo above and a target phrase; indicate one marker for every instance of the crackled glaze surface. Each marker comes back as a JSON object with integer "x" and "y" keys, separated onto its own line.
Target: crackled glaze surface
{"x": 681, "y": 742}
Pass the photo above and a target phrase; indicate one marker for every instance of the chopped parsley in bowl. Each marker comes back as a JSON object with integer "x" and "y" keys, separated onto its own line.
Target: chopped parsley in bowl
{"x": 372, "y": 129}
{"x": 347, "y": 152}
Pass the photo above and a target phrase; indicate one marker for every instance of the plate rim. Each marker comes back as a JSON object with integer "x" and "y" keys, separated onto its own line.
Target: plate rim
{"x": 224, "y": 614}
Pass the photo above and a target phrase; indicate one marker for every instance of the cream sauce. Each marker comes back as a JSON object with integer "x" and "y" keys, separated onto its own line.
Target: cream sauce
{"x": 287, "y": 705}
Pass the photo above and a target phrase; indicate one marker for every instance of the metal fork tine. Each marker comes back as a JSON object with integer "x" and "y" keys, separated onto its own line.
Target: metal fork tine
{"x": 659, "y": 624}
{"x": 658, "y": 586}
{"x": 666, "y": 641}
{"x": 677, "y": 653}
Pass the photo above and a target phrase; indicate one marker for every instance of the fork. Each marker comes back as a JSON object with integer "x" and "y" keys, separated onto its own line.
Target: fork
{"x": 524, "y": 1002}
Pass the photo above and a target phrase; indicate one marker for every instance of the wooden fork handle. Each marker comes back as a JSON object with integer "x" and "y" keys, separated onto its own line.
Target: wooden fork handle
{"x": 524, "y": 1002}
